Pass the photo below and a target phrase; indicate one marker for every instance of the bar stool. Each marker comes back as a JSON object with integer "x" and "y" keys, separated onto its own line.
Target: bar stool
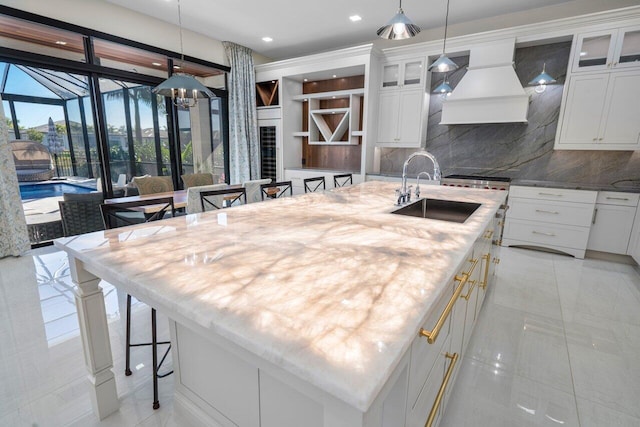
{"x": 218, "y": 199}
{"x": 117, "y": 215}
{"x": 311, "y": 185}
{"x": 342, "y": 180}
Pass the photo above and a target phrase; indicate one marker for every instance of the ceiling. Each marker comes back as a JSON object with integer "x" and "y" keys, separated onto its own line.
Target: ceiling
{"x": 307, "y": 26}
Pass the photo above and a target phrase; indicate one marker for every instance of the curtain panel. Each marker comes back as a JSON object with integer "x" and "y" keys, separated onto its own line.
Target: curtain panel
{"x": 14, "y": 239}
{"x": 244, "y": 146}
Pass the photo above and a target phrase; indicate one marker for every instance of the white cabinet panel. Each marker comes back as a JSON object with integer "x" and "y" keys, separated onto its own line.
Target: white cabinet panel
{"x": 611, "y": 228}
{"x": 621, "y": 119}
{"x": 583, "y": 108}
{"x": 634, "y": 242}
{"x": 547, "y": 211}
{"x": 409, "y": 124}
{"x": 388, "y": 116}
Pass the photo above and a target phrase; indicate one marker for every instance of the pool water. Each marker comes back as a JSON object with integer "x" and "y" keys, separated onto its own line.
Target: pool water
{"x": 50, "y": 189}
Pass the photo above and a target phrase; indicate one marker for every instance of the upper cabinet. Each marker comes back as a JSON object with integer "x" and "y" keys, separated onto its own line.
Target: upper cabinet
{"x": 402, "y": 104}
{"x": 601, "y": 112}
{"x": 403, "y": 75}
{"x": 607, "y": 50}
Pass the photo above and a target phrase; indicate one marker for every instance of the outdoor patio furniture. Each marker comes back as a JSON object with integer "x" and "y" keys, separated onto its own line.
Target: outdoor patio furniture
{"x": 153, "y": 184}
{"x": 32, "y": 161}
{"x": 199, "y": 179}
{"x": 80, "y": 213}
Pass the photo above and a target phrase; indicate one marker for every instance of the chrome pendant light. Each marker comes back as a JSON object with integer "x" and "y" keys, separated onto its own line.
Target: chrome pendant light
{"x": 399, "y": 27}
{"x": 443, "y": 89}
{"x": 183, "y": 89}
{"x": 542, "y": 80}
{"x": 443, "y": 64}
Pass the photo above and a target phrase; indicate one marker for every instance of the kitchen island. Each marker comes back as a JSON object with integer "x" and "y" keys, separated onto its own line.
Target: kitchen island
{"x": 297, "y": 311}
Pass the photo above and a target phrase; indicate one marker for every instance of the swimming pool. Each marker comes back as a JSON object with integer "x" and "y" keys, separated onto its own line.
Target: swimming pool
{"x": 50, "y": 189}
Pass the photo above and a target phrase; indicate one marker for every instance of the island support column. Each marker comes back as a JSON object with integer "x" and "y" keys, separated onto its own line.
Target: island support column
{"x": 94, "y": 331}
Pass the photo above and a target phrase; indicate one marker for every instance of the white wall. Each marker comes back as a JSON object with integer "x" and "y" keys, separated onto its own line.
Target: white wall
{"x": 106, "y": 17}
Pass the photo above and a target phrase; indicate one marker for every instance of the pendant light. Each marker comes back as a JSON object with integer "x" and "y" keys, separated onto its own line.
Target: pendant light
{"x": 399, "y": 27}
{"x": 183, "y": 89}
{"x": 444, "y": 64}
{"x": 542, "y": 80}
{"x": 443, "y": 89}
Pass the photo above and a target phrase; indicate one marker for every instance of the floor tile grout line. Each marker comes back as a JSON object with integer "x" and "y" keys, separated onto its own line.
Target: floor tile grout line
{"x": 566, "y": 341}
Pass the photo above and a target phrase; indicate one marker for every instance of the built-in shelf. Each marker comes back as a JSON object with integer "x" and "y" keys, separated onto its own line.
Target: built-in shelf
{"x": 267, "y": 94}
{"x": 301, "y": 134}
{"x": 328, "y": 95}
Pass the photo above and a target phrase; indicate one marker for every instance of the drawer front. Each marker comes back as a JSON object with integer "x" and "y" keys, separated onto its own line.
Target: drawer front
{"x": 579, "y": 214}
{"x": 544, "y": 234}
{"x": 616, "y": 198}
{"x": 555, "y": 194}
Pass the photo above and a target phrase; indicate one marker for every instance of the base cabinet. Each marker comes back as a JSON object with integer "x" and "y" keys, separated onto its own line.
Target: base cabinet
{"x": 613, "y": 222}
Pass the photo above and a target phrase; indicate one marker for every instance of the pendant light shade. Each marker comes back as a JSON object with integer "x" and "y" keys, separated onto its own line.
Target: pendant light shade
{"x": 542, "y": 80}
{"x": 443, "y": 88}
{"x": 183, "y": 89}
{"x": 444, "y": 64}
{"x": 399, "y": 27}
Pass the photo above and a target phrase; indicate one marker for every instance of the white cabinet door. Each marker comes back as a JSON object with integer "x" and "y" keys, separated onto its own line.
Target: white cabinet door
{"x": 388, "y": 112}
{"x": 410, "y": 119}
{"x": 611, "y": 228}
{"x": 583, "y": 109}
{"x": 634, "y": 243}
{"x": 594, "y": 51}
{"x": 627, "y": 52}
{"x": 621, "y": 119}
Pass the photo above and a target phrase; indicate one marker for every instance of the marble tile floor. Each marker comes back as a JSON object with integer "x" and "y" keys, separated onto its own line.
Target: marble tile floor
{"x": 556, "y": 344}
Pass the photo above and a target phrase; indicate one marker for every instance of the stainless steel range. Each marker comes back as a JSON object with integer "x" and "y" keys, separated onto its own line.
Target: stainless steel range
{"x": 488, "y": 183}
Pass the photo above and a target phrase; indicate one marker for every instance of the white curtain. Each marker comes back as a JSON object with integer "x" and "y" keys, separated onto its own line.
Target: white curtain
{"x": 244, "y": 147}
{"x": 14, "y": 239}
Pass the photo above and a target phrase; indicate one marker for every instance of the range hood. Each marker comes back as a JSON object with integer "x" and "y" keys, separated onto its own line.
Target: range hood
{"x": 490, "y": 91}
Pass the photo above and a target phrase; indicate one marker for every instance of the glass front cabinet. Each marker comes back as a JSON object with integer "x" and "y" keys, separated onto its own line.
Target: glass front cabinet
{"x": 609, "y": 49}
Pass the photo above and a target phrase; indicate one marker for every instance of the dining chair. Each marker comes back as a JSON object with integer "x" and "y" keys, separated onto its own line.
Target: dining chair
{"x": 225, "y": 198}
{"x": 311, "y": 185}
{"x": 199, "y": 179}
{"x": 115, "y": 216}
{"x": 80, "y": 213}
{"x": 275, "y": 190}
{"x": 193, "y": 196}
{"x": 253, "y": 189}
{"x": 342, "y": 180}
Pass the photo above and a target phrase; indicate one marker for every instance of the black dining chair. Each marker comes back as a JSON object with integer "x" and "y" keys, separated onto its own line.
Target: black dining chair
{"x": 225, "y": 198}
{"x": 311, "y": 185}
{"x": 275, "y": 190}
{"x": 342, "y": 180}
{"x": 80, "y": 213}
{"x": 117, "y": 215}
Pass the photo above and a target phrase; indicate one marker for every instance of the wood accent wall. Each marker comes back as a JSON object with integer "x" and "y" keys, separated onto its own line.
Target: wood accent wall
{"x": 337, "y": 157}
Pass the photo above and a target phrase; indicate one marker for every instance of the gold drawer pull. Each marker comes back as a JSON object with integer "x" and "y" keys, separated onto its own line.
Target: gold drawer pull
{"x": 433, "y": 334}
{"x": 485, "y": 258}
{"x": 488, "y": 234}
{"x": 496, "y": 260}
{"x": 550, "y": 194}
{"x": 618, "y": 198}
{"x": 549, "y": 212}
{"x": 472, "y": 284}
{"x": 544, "y": 234}
{"x": 443, "y": 388}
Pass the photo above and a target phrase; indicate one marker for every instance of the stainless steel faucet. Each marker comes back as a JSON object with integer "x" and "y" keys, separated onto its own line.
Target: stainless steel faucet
{"x": 404, "y": 195}
{"x": 418, "y": 182}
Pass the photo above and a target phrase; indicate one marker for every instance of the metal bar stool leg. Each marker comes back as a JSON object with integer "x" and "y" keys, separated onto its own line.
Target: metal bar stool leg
{"x": 154, "y": 350}
{"x": 127, "y": 369}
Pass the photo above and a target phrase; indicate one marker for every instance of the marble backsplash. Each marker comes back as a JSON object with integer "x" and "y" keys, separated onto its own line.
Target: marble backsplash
{"x": 519, "y": 151}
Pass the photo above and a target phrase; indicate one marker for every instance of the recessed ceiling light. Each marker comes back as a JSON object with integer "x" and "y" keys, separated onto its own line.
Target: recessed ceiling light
{"x": 176, "y": 67}
{"x": 267, "y": 39}
{"x": 583, "y": 53}
{"x": 334, "y": 76}
{"x": 60, "y": 42}
{"x": 355, "y": 18}
{"x": 333, "y": 97}
{"x": 306, "y": 80}
{"x": 157, "y": 64}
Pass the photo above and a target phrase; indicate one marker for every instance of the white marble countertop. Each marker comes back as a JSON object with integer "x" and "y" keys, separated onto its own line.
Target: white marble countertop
{"x": 328, "y": 286}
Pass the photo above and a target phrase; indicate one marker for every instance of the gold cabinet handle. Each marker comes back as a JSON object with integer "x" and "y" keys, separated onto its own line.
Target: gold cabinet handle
{"x": 443, "y": 388}
{"x": 485, "y": 258}
{"x": 488, "y": 234}
{"x": 472, "y": 284}
{"x": 433, "y": 334}
{"x": 496, "y": 260}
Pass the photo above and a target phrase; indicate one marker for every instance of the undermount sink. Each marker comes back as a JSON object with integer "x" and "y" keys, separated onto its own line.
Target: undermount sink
{"x": 444, "y": 210}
